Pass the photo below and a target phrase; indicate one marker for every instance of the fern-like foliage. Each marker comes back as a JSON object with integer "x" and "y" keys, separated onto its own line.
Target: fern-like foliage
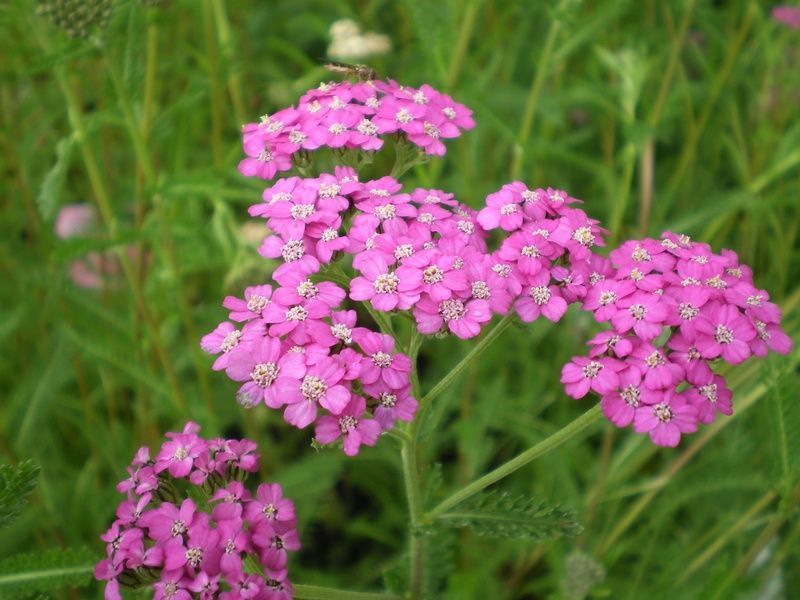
{"x": 16, "y": 483}
{"x": 24, "y": 576}
{"x": 501, "y": 514}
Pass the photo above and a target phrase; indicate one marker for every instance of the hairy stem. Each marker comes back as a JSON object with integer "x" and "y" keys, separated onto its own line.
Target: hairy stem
{"x": 485, "y": 342}
{"x": 546, "y": 445}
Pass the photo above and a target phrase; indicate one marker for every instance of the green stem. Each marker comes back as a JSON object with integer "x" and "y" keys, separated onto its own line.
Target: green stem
{"x": 490, "y": 337}
{"x": 315, "y": 592}
{"x": 541, "y": 70}
{"x": 102, "y": 199}
{"x": 414, "y": 498}
{"x": 145, "y": 162}
{"x": 465, "y": 33}
{"x": 551, "y": 442}
{"x": 687, "y": 156}
{"x": 408, "y": 454}
{"x": 727, "y": 534}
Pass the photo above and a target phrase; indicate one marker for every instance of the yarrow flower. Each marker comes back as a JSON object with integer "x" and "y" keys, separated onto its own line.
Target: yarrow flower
{"x": 676, "y": 309}
{"x": 164, "y": 538}
{"x": 353, "y": 116}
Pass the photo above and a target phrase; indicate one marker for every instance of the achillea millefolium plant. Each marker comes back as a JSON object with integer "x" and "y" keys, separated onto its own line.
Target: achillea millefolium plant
{"x": 367, "y": 272}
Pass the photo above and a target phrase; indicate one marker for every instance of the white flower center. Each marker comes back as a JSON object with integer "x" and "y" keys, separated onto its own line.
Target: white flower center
{"x": 592, "y": 369}
{"x": 329, "y": 190}
{"x": 296, "y": 313}
{"x": 382, "y": 360}
{"x": 508, "y": 209}
{"x": 480, "y": 290}
{"x": 256, "y": 303}
{"x": 347, "y": 423}
{"x": 432, "y": 275}
{"x": 307, "y": 289}
{"x": 655, "y": 359}
{"x": 723, "y": 335}
{"x": 385, "y": 211}
{"x": 312, "y": 388}
{"x": 231, "y": 341}
{"x": 387, "y": 400}
{"x": 264, "y": 374}
{"x": 540, "y": 294}
{"x": 342, "y": 332}
{"x": 638, "y": 311}
{"x": 452, "y": 309}
{"x": 663, "y": 412}
{"x": 584, "y": 236}
{"x": 608, "y": 297}
{"x": 386, "y": 283}
{"x": 293, "y": 250}
{"x": 631, "y": 395}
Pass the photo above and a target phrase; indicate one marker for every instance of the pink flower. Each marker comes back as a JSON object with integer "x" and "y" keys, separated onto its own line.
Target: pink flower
{"x": 178, "y": 454}
{"x": 382, "y": 363}
{"x": 255, "y": 300}
{"x": 392, "y": 404}
{"x": 269, "y": 504}
{"x": 539, "y": 298}
{"x": 724, "y": 331}
{"x": 503, "y": 209}
{"x": 658, "y": 371}
{"x": 74, "y": 220}
{"x": 666, "y": 420}
{"x": 643, "y": 312}
{"x": 224, "y": 338}
{"x": 297, "y": 288}
{"x": 264, "y": 366}
{"x": 710, "y": 398}
{"x": 433, "y": 273}
{"x": 685, "y": 353}
{"x": 583, "y": 374}
{"x": 381, "y": 286}
{"x": 286, "y": 318}
{"x": 168, "y": 521}
{"x": 770, "y": 336}
{"x": 350, "y": 425}
{"x": 620, "y": 404}
{"x": 602, "y": 298}
{"x": 787, "y": 15}
{"x": 463, "y": 319}
{"x": 272, "y": 540}
{"x": 319, "y": 386}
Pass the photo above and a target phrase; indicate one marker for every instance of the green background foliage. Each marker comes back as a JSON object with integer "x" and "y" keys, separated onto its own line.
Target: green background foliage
{"x": 678, "y": 115}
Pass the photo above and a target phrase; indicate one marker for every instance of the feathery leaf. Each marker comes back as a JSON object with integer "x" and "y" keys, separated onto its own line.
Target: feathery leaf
{"x": 16, "y": 483}
{"x": 24, "y": 575}
{"x": 515, "y": 516}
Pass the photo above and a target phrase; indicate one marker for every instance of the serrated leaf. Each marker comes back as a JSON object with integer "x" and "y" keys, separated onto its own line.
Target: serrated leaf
{"x": 24, "y": 575}
{"x": 53, "y": 181}
{"x": 16, "y": 484}
{"x": 501, "y": 514}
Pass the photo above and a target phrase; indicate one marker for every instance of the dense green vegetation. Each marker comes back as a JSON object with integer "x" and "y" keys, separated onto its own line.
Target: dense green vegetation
{"x": 679, "y": 115}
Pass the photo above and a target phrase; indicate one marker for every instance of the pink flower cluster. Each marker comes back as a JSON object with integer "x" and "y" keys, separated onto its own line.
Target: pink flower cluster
{"x": 675, "y": 308}
{"x": 355, "y": 116}
{"x": 191, "y": 549}
{"x": 298, "y": 347}
{"x": 547, "y": 256}
{"x": 295, "y": 352}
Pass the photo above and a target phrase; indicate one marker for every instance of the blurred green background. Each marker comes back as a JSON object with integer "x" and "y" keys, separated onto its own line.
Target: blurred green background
{"x": 677, "y": 115}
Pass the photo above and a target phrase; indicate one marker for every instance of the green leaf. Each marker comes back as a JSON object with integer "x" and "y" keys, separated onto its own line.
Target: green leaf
{"x": 24, "y": 575}
{"x": 53, "y": 181}
{"x": 501, "y": 514}
{"x": 16, "y": 484}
